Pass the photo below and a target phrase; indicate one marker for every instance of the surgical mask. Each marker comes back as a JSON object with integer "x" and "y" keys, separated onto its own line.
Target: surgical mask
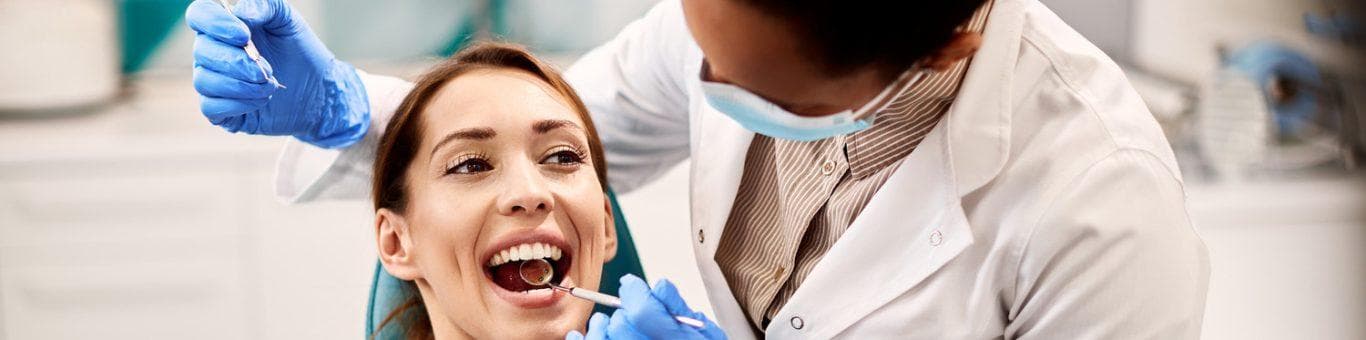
{"x": 764, "y": 117}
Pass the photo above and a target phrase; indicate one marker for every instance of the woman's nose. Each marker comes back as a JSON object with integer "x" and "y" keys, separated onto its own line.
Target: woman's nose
{"x": 526, "y": 194}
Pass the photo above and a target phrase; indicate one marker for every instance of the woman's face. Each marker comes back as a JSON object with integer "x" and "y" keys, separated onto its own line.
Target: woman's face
{"x": 502, "y": 175}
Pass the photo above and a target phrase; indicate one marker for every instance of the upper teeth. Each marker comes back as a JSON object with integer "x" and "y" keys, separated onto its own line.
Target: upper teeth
{"x": 526, "y": 251}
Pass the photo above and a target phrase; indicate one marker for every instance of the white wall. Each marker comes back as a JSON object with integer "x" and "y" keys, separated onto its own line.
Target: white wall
{"x": 1287, "y": 256}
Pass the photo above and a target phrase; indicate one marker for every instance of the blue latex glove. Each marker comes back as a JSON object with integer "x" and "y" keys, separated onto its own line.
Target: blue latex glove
{"x": 648, "y": 314}
{"x": 323, "y": 102}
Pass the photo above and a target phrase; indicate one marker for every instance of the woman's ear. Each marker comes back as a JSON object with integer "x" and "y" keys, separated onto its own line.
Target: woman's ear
{"x": 962, "y": 46}
{"x": 395, "y": 245}
{"x": 609, "y": 244}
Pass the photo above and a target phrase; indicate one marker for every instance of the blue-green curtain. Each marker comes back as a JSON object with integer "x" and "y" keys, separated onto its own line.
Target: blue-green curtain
{"x": 144, "y": 25}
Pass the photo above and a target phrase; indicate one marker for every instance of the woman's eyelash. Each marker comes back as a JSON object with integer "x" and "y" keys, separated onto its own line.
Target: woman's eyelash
{"x": 578, "y": 156}
{"x": 570, "y": 148}
{"x": 462, "y": 164}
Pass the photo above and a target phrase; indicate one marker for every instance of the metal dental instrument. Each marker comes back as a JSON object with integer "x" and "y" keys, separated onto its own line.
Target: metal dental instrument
{"x": 254, "y": 53}
{"x": 538, "y": 272}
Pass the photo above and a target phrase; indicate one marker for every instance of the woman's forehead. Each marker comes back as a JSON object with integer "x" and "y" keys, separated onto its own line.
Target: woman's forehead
{"x": 495, "y": 98}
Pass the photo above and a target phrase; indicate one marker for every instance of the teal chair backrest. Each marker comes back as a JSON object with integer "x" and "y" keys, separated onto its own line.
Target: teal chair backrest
{"x": 388, "y": 292}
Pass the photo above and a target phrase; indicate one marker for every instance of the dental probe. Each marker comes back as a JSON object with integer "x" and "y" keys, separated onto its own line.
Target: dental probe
{"x": 254, "y": 53}
{"x": 542, "y": 271}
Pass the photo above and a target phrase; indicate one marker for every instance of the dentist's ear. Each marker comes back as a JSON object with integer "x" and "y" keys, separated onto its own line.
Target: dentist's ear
{"x": 610, "y": 229}
{"x": 395, "y": 243}
{"x": 962, "y": 46}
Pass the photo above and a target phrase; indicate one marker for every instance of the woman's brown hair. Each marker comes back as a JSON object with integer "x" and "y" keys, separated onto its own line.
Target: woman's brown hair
{"x": 403, "y": 135}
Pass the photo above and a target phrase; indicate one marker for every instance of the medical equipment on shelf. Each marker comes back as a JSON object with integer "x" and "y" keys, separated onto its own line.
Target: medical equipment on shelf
{"x": 1232, "y": 125}
{"x": 1272, "y": 108}
{"x": 538, "y": 272}
{"x": 255, "y": 54}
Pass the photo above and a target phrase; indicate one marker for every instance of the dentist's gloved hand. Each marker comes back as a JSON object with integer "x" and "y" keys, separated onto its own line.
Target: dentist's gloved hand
{"x": 648, "y": 314}
{"x": 324, "y": 102}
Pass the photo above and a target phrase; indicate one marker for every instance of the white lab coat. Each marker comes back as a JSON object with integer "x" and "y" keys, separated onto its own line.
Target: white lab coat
{"x": 1047, "y": 203}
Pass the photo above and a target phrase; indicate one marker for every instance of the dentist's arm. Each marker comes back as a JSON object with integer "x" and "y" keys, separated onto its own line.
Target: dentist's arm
{"x": 634, "y": 87}
{"x": 306, "y": 172}
{"x": 334, "y": 111}
{"x": 1115, "y": 257}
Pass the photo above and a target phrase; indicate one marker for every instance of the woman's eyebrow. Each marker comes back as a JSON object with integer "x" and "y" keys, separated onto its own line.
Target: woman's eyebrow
{"x": 475, "y": 133}
{"x": 544, "y": 126}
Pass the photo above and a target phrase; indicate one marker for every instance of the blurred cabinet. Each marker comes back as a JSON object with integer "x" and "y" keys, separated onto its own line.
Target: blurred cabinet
{"x": 144, "y": 222}
{"x": 1287, "y": 256}
{"x": 99, "y": 254}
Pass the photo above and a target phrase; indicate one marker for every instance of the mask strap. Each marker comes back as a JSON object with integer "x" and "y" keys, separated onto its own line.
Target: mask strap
{"x": 903, "y": 83}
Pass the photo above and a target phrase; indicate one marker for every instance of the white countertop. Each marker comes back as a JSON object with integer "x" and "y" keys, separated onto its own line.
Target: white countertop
{"x": 1333, "y": 196}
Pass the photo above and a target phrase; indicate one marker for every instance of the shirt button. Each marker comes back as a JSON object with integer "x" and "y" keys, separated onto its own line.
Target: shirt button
{"x": 778, "y": 273}
{"x": 797, "y": 322}
{"x": 828, "y": 167}
{"x": 701, "y": 236}
{"x": 936, "y": 238}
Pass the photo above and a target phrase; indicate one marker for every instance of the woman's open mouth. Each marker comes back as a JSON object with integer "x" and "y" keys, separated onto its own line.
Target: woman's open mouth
{"x": 504, "y": 268}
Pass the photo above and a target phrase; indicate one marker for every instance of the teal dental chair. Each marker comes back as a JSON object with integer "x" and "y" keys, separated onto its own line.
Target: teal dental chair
{"x": 388, "y": 293}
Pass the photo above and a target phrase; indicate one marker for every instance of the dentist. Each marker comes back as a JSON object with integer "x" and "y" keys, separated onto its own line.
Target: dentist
{"x": 944, "y": 169}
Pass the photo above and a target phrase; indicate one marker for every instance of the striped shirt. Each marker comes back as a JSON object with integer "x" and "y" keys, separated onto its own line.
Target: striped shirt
{"x": 796, "y": 198}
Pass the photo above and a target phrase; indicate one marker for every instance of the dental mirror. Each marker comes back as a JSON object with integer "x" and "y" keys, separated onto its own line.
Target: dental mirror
{"x": 536, "y": 272}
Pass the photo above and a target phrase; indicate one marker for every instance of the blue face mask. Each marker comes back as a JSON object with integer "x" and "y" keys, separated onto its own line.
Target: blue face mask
{"x": 764, "y": 117}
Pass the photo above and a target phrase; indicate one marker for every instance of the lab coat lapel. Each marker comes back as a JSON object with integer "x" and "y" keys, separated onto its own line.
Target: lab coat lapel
{"x": 979, "y": 120}
{"x": 911, "y": 227}
{"x": 718, "y": 164}
{"x": 718, "y": 158}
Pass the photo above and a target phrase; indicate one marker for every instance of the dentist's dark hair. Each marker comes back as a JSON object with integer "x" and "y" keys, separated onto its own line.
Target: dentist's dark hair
{"x": 887, "y": 35}
{"x": 403, "y": 135}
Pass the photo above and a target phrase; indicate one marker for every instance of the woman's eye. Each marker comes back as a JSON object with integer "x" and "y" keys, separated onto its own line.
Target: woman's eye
{"x": 470, "y": 166}
{"x": 563, "y": 157}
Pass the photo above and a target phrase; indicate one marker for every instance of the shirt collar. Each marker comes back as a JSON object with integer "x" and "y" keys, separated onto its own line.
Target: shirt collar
{"x": 899, "y": 128}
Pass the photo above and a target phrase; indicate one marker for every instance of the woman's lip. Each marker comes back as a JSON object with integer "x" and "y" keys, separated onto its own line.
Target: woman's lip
{"x": 533, "y": 299}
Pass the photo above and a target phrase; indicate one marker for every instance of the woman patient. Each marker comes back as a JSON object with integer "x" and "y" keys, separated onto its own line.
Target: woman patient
{"x": 492, "y": 160}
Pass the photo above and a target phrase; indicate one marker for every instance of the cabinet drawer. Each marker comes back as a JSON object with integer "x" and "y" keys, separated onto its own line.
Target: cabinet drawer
{"x": 125, "y": 291}
{"x": 130, "y": 208}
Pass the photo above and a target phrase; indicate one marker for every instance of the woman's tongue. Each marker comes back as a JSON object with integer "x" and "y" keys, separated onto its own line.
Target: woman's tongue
{"x": 509, "y": 276}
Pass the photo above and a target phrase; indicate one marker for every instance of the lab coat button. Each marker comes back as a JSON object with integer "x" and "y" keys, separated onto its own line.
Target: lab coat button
{"x": 936, "y": 238}
{"x": 701, "y": 237}
{"x": 828, "y": 167}
{"x": 797, "y": 322}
